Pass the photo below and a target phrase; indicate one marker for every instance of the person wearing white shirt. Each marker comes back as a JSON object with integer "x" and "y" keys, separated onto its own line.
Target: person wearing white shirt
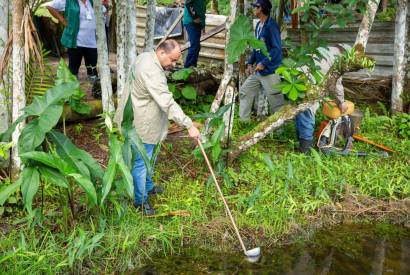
{"x": 79, "y": 36}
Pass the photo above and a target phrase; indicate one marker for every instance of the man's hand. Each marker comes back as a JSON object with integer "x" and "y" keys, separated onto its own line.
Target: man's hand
{"x": 343, "y": 107}
{"x": 197, "y": 20}
{"x": 194, "y": 132}
{"x": 249, "y": 70}
{"x": 259, "y": 67}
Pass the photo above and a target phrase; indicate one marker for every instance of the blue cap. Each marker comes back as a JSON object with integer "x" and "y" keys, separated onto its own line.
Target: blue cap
{"x": 265, "y": 4}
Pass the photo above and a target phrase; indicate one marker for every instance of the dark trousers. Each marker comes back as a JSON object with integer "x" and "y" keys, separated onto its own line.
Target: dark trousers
{"x": 194, "y": 35}
{"x": 75, "y": 56}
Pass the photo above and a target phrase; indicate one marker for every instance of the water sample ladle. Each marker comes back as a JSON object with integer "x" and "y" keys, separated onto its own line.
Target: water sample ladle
{"x": 255, "y": 252}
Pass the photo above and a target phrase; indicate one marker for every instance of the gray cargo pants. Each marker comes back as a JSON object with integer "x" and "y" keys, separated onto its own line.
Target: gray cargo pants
{"x": 252, "y": 90}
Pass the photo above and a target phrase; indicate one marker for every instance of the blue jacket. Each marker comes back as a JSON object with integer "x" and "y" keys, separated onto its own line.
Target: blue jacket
{"x": 270, "y": 34}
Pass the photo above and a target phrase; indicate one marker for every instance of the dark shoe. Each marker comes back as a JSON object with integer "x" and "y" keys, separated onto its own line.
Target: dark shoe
{"x": 146, "y": 209}
{"x": 305, "y": 145}
{"x": 157, "y": 190}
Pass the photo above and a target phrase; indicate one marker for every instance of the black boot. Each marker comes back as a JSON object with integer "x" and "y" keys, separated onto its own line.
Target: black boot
{"x": 157, "y": 190}
{"x": 146, "y": 209}
{"x": 305, "y": 145}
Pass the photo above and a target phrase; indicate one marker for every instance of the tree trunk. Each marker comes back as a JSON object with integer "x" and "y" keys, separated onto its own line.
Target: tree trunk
{"x": 287, "y": 113}
{"x": 4, "y": 31}
{"x": 230, "y": 96}
{"x": 18, "y": 97}
{"x": 121, "y": 12}
{"x": 149, "y": 26}
{"x": 228, "y": 68}
{"x": 279, "y": 15}
{"x": 400, "y": 59}
{"x": 366, "y": 24}
{"x": 103, "y": 65}
{"x": 132, "y": 32}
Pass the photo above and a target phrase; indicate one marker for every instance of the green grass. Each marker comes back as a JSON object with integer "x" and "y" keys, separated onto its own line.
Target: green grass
{"x": 267, "y": 203}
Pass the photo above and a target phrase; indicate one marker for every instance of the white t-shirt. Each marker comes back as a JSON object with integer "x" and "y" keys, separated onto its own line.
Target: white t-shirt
{"x": 86, "y": 34}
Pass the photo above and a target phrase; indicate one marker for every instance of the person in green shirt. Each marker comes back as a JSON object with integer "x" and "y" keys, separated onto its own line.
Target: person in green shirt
{"x": 194, "y": 22}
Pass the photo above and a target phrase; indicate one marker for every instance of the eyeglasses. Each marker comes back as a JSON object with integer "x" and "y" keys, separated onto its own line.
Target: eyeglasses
{"x": 257, "y": 6}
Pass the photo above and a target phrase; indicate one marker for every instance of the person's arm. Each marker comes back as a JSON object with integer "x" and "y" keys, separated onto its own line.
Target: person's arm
{"x": 192, "y": 12}
{"x": 275, "y": 41}
{"x": 337, "y": 91}
{"x": 57, "y": 15}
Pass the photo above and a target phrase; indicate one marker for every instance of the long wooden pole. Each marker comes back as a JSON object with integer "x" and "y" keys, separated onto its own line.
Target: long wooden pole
{"x": 222, "y": 197}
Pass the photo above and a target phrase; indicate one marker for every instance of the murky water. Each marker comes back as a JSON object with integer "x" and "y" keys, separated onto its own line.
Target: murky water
{"x": 345, "y": 249}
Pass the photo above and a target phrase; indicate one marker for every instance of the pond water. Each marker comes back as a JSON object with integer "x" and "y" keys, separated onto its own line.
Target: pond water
{"x": 345, "y": 249}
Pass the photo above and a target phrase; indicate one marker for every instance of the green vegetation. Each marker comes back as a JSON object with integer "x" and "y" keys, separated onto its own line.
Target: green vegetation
{"x": 271, "y": 190}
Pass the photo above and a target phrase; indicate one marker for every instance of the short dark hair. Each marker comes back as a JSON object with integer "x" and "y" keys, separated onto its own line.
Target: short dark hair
{"x": 168, "y": 45}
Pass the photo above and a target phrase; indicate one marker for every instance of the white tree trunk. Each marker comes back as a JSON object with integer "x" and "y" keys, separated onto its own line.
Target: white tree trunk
{"x": 18, "y": 98}
{"x": 228, "y": 69}
{"x": 103, "y": 65}
{"x": 122, "y": 65}
{"x": 132, "y": 31}
{"x": 366, "y": 24}
{"x": 230, "y": 96}
{"x": 149, "y": 26}
{"x": 4, "y": 31}
{"x": 400, "y": 59}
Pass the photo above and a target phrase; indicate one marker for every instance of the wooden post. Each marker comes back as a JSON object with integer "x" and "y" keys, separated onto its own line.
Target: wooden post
{"x": 400, "y": 59}
{"x": 295, "y": 16}
{"x": 18, "y": 97}
{"x": 4, "y": 31}
{"x": 103, "y": 67}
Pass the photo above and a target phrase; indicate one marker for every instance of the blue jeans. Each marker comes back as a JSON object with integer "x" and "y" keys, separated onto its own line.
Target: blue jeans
{"x": 141, "y": 177}
{"x": 305, "y": 125}
{"x": 194, "y": 36}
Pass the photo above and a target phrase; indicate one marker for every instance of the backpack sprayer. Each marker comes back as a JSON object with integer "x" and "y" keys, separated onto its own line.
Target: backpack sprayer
{"x": 336, "y": 135}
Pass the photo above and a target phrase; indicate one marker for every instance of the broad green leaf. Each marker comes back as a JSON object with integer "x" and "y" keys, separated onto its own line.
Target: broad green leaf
{"x": 6, "y": 136}
{"x": 63, "y": 73}
{"x": 50, "y": 117}
{"x": 9, "y": 190}
{"x": 217, "y": 135}
{"x": 76, "y": 157}
{"x": 182, "y": 74}
{"x": 293, "y": 94}
{"x": 287, "y": 76}
{"x": 258, "y": 44}
{"x": 44, "y": 158}
{"x": 31, "y": 137}
{"x": 240, "y": 34}
{"x": 174, "y": 90}
{"x": 108, "y": 179}
{"x": 300, "y": 87}
{"x": 84, "y": 156}
{"x": 189, "y": 92}
{"x": 29, "y": 186}
{"x": 53, "y": 176}
{"x": 286, "y": 89}
{"x": 288, "y": 62}
{"x": 51, "y": 97}
{"x": 127, "y": 179}
{"x": 216, "y": 152}
{"x": 87, "y": 186}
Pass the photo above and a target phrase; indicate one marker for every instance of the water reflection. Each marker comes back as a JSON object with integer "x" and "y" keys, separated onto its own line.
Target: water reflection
{"x": 346, "y": 249}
